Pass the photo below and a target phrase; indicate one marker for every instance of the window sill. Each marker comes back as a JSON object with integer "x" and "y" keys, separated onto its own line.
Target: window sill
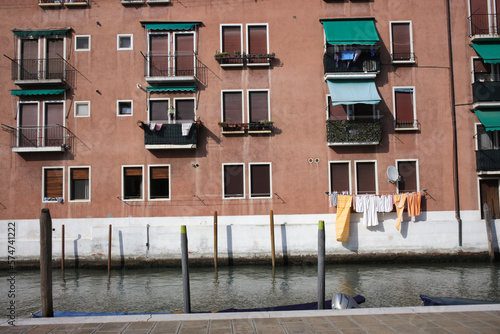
{"x": 406, "y": 129}
{"x": 259, "y": 131}
{"x": 403, "y": 62}
{"x": 231, "y": 65}
{"x": 132, "y": 2}
{"x": 77, "y": 4}
{"x": 354, "y": 143}
{"x": 51, "y": 4}
{"x": 258, "y": 64}
{"x": 169, "y": 146}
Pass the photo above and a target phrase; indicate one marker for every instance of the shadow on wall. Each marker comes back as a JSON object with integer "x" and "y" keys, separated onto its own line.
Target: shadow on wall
{"x": 229, "y": 245}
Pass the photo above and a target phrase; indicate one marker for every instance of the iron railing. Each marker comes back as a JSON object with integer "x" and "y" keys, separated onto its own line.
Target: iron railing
{"x": 367, "y": 61}
{"x": 403, "y": 56}
{"x": 38, "y": 136}
{"x": 406, "y": 124}
{"x": 40, "y": 69}
{"x": 170, "y": 134}
{"x": 59, "y": 2}
{"x": 485, "y": 91}
{"x": 174, "y": 66}
{"x": 484, "y": 24}
{"x": 359, "y": 131}
{"x": 487, "y": 160}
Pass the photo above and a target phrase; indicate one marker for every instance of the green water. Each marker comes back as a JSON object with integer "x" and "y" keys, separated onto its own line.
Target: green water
{"x": 160, "y": 290}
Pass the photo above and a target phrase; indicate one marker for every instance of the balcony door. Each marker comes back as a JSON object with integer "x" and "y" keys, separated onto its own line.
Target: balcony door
{"x": 489, "y": 195}
{"x": 54, "y": 61}
{"x": 158, "y": 59}
{"x": 54, "y": 119}
{"x": 28, "y": 125}
{"x": 29, "y": 59}
{"x": 184, "y": 54}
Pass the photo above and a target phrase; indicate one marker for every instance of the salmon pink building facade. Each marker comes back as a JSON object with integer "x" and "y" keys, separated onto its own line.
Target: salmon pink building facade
{"x": 151, "y": 114}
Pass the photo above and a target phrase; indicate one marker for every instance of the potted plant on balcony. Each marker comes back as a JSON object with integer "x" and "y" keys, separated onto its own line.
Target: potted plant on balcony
{"x": 220, "y": 55}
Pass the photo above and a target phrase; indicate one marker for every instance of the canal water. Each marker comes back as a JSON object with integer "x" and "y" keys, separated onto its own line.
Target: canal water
{"x": 159, "y": 290}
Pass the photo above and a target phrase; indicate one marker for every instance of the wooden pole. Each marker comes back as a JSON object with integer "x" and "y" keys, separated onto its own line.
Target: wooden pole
{"x": 273, "y": 254}
{"x": 215, "y": 240}
{"x": 46, "y": 263}
{"x": 109, "y": 250}
{"x": 321, "y": 265}
{"x": 62, "y": 250}
{"x": 491, "y": 250}
{"x": 185, "y": 270}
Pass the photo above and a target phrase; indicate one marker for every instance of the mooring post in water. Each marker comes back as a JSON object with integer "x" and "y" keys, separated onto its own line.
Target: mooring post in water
{"x": 321, "y": 265}
{"x": 46, "y": 263}
{"x": 273, "y": 255}
{"x": 62, "y": 250}
{"x": 109, "y": 250}
{"x": 215, "y": 240}
{"x": 491, "y": 250}
{"x": 185, "y": 270}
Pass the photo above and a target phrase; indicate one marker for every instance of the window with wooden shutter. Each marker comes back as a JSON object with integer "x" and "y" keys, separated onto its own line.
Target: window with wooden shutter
{"x": 132, "y": 183}
{"x": 402, "y": 48}
{"x": 53, "y": 183}
{"x": 260, "y": 180}
{"x": 159, "y": 182}
{"x": 184, "y": 109}
{"x": 231, "y": 39}
{"x": 158, "y": 110}
{"x": 340, "y": 177}
{"x": 404, "y": 104}
{"x": 408, "y": 176}
{"x": 79, "y": 184}
{"x": 232, "y": 108}
{"x": 366, "y": 178}
{"x": 258, "y": 106}
{"x": 234, "y": 181}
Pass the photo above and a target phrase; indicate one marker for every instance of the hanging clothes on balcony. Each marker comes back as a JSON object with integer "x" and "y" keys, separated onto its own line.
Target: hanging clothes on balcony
{"x": 347, "y": 55}
{"x": 185, "y": 128}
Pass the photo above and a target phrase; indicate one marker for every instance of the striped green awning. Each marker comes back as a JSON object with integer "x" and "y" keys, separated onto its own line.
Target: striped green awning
{"x": 349, "y": 31}
{"x": 489, "y": 118}
{"x": 172, "y": 89}
{"x": 490, "y": 52}
{"x": 40, "y": 32}
{"x": 170, "y": 26}
{"x": 37, "y": 92}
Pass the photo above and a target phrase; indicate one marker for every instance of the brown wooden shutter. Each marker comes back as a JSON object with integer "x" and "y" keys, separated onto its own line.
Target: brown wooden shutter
{"x": 184, "y": 110}
{"x": 365, "y": 174}
{"x": 401, "y": 47}
{"x": 54, "y": 182}
{"x": 158, "y": 62}
{"x": 479, "y": 19}
{"x": 231, "y": 39}
{"x": 404, "y": 106}
{"x": 260, "y": 185}
{"x": 184, "y": 49}
{"x": 28, "y": 120}
{"x": 158, "y": 110}
{"x": 481, "y": 67}
{"x": 29, "y": 59}
{"x": 133, "y": 171}
{"x": 232, "y": 107}
{"x": 258, "y": 104}
{"x": 257, "y": 40}
{"x": 159, "y": 173}
{"x": 54, "y": 113}
{"x": 408, "y": 172}
{"x": 339, "y": 177}
{"x": 79, "y": 173}
{"x": 233, "y": 181}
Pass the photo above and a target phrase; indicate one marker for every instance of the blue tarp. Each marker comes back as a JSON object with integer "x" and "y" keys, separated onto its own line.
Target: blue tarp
{"x": 348, "y": 92}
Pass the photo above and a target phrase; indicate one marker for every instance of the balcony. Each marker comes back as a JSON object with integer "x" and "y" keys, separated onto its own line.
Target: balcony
{"x": 263, "y": 127}
{"x": 171, "y": 136}
{"x": 40, "y": 71}
{"x": 48, "y": 138}
{"x": 484, "y": 25}
{"x": 173, "y": 69}
{"x": 238, "y": 60}
{"x": 353, "y": 132}
{"x": 132, "y": 2}
{"x": 365, "y": 65}
{"x": 488, "y": 161}
{"x": 486, "y": 94}
{"x": 50, "y": 3}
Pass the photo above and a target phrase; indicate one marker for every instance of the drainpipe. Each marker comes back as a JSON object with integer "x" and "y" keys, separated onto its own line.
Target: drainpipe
{"x": 456, "y": 189}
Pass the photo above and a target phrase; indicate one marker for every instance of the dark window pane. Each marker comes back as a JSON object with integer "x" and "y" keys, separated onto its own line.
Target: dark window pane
{"x": 233, "y": 181}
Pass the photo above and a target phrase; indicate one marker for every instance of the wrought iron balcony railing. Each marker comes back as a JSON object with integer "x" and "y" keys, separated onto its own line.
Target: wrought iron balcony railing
{"x": 173, "y": 68}
{"x": 353, "y": 132}
{"x": 486, "y": 91}
{"x": 368, "y": 61}
{"x": 48, "y": 138}
{"x": 484, "y": 24}
{"x": 54, "y": 70}
{"x": 171, "y": 136}
{"x": 411, "y": 124}
{"x": 488, "y": 161}
{"x": 60, "y": 2}
{"x": 403, "y": 57}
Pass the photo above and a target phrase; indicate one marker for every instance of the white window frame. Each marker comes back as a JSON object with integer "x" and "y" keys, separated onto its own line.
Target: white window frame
{"x": 158, "y": 99}
{"x": 268, "y": 102}
{"x": 76, "y": 42}
{"x": 69, "y": 184}
{"x": 175, "y": 99}
{"x": 119, "y": 36}
{"x": 330, "y": 174}
{"x": 394, "y": 110}
{"x": 232, "y": 25}
{"x": 118, "y": 108}
{"x": 44, "y": 182}
{"x": 169, "y": 182}
{"x": 63, "y": 102}
{"x": 412, "y": 53}
{"x": 123, "y": 184}
{"x": 242, "y": 103}
{"x": 417, "y": 173}
{"x": 19, "y": 120}
{"x": 270, "y": 179}
{"x": 356, "y": 173}
{"x": 247, "y": 41}
{"x": 244, "y": 183}
{"x": 77, "y": 103}
{"x": 169, "y": 38}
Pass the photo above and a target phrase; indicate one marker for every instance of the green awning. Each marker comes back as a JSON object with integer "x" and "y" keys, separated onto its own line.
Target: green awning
{"x": 347, "y": 32}
{"x": 349, "y": 92}
{"x": 489, "y": 118}
{"x": 490, "y": 52}
{"x": 172, "y": 89}
{"x": 40, "y": 32}
{"x": 170, "y": 26}
{"x": 37, "y": 92}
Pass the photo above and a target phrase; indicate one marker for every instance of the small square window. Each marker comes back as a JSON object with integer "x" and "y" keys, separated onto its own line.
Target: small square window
{"x": 82, "y": 43}
{"x": 125, "y": 42}
{"x": 124, "y": 108}
{"x": 82, "y": 109}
